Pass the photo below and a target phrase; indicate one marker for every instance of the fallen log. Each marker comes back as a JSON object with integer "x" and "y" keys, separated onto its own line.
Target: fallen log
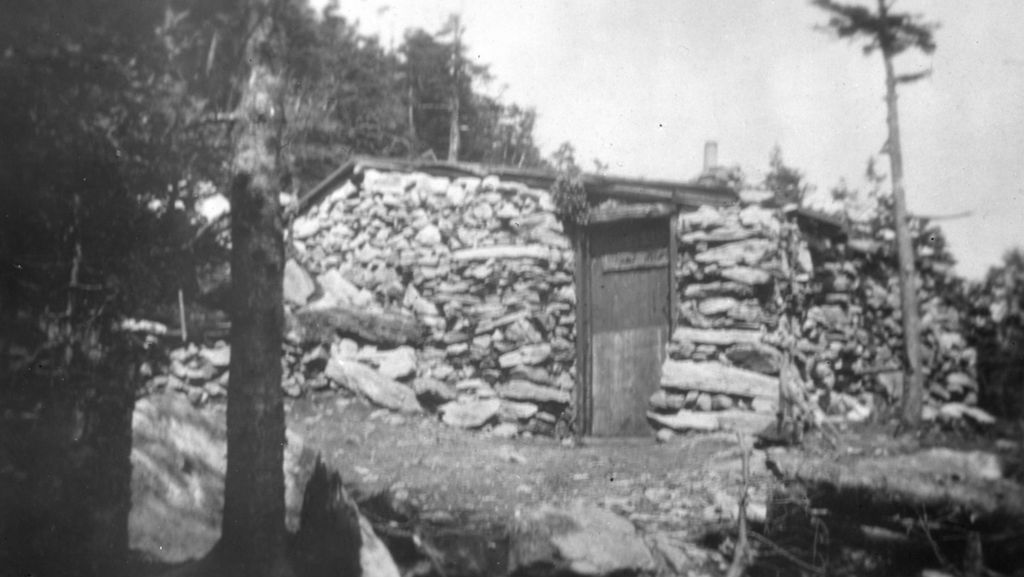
{"x": 932, "y": 479}
{"x": 381, "y": 327}
{"x": 717, "y": 378}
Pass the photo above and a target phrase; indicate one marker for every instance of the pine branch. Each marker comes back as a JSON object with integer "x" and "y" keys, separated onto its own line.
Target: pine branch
{"x": 914, "y": 76}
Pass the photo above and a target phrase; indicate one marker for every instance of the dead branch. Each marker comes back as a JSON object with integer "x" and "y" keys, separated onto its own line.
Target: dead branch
{"x": 786, "y": 554}
{"x": 954, "y": 216}
{"x": 741, "y": 554}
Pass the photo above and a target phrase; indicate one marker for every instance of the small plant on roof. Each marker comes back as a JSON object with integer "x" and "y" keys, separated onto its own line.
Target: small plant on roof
{"x": 570, "y": 198}
{"x": 568, "y": 192}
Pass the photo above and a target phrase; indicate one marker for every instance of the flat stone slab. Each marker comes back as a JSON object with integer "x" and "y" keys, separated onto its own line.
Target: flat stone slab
{"x": 381, "y": 390}
{"x": 718, "y": 337}
{"x": 470, "y": 414}
{"x": 717, "y": 378}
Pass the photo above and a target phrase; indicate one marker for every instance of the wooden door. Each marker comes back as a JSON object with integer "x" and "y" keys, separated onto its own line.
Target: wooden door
{"x": 628, "y": 303}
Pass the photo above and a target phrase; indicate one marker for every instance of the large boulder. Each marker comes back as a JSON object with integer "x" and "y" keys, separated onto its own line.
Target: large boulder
{"x": 298, "y": 285}
{"x": 365, "y": 381}
{"x": 178, "y": 463}
{"x": 398, "y": 363}
{"x": 469, "y": 413}
{"x": 580, "y": 540}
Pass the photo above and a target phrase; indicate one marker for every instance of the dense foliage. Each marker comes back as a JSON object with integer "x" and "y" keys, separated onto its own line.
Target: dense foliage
{"x": 118, "y": 120}
{"x": 996, "y": 307}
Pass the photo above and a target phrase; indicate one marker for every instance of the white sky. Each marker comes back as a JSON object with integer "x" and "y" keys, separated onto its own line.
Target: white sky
{"x": 642, "y": 85}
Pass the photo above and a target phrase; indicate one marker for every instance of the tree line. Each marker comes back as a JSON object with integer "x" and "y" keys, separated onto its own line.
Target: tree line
{"x": 118, "y": 117}
{"x": 123, "y": 112}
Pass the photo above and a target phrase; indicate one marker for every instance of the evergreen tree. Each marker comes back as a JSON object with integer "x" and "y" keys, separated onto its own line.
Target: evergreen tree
{"x": 892, "y": 34}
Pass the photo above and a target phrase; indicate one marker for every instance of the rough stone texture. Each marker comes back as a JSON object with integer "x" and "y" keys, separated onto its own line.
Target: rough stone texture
{"x": 219, "y": 356}
{"x": 341, "y": 291}
{"x": 298, "y": 285}
{"x": 528, "y": 355}
{"x": 729, "y": 420}
{"x": 747, "y": 275}
{"x": 433, "y": 391}
{"x": 746, "y": 252}
{"x": 760, "y": 358}
{"x": 705, "y": 217}
{"x": 398, "y": 363}
{"x": 379, "y": 389}
{"x": 686, "y": 420}
{"x": 304, "y": 228}
{"x": 469, "y": 413}
{"x": 581, "y": 540}
{"x": 715, "y": 306}
{"x": 721, "y": 402}
{"x": 178, "y": 463}
{"x": 718, "y": 288}
{"x": 516, "y": 411}
{"x": 717, "y": 378}
{"x": 663, "y": 401}
{"x": 375, "y": 559}
{"x": 520, "y": 390}
{"x": 719, "y": 337}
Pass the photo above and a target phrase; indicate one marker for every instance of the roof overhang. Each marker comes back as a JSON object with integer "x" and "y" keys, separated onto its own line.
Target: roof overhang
{"x": 598, "y": 186}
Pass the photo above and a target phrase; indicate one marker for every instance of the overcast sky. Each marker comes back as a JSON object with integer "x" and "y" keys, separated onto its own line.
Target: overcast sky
{"x": 642, "y": 85}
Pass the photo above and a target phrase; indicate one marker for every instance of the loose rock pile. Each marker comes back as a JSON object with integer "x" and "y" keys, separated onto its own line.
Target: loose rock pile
{"x": 851, "y": 322}
{"x": 199, "y": 372}
{"x": 456, "y": 295}
{"x": 482, "y": 265}
{"x": 721, "y": 373}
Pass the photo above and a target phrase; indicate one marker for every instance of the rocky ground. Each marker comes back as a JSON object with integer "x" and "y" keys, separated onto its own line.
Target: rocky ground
{"x": 457, "y": 502}
{"x": 452, "y": 502}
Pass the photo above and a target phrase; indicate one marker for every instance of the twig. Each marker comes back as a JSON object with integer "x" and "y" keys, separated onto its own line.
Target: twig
{"x": 931, "y": 542}
{"x": 974, "y": 556}
{"x": 181, "y": 317}
{"x": 213, "y": 118}
{"x": 954, "y": 216}
{"x": 786, "y": 554}
{"x": 432, "y": 554}
{"x": 741, "y": 553}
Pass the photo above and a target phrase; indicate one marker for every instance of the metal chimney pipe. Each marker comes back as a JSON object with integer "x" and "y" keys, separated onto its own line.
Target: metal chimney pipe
{"x": 710, "y": 155}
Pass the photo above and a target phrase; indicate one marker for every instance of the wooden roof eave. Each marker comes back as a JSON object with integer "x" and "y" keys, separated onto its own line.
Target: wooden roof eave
{"x": 604, "y": 214}
{"x": 597, "y": 186}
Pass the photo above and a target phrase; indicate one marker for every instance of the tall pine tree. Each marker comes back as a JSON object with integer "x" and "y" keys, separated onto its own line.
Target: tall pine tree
{"x": 892, "y": 34}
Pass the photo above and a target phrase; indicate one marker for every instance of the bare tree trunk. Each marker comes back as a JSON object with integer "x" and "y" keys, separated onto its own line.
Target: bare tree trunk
{"x": 913, "y": 391}
{"x": 253, "y": 534}
{"x": 412, "y": 115}
{"x": 453, "y": 130}
{"x": 453, "y": 127}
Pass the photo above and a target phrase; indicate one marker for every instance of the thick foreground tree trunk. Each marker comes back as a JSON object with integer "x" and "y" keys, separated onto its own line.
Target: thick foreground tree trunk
{"x": 253, "y": 530}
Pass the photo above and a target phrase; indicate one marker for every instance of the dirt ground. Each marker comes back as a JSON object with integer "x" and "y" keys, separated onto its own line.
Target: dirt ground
{"x": 675, "y": 493}
{"x": 681, "y": 495}
{"x": 453, "y": 470}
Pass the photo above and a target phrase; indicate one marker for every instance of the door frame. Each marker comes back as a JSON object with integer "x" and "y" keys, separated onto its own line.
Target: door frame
{"x": 583, "y": 389}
